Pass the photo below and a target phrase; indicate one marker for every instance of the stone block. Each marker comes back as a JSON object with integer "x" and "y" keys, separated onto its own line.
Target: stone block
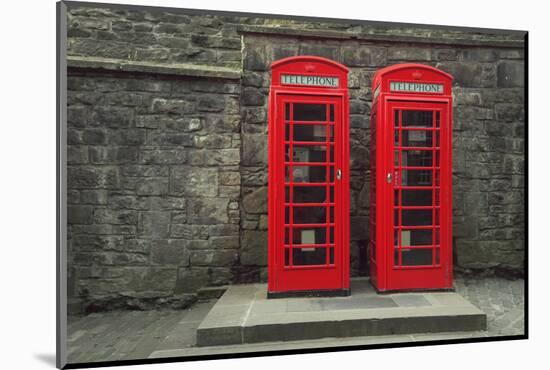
{"x": 169, "y": 253}
{"x": 511, "y": 74}
{"x": 79, "y": 214}
{"x": 189, "y": 232}
{"x": 106, "y": 155}
{"x": 93, "y": 196}
{"x": 115, "y": 217}
{"x": 194, "y": 181}
{"x": 321, "y": 50}
{"x": 254, "y": 150}
{"x": 92, "y": 177}
{"x": 222, "y": 123}
{"x": 170, "y": 138}
{"x": 154, "y": 225}
{"x": 255, "y": 58}
{"x": 409, "y": 54}
{"x": 94, "y": 136}
{"x": 137, "y": 245}
{"x": 510, "y": 112}
{"x": 254, "y": 247}
{"x": 479, "y": 55}
{"x": 364, "y": 56}
{"x": 163, "y": 156}
{"x": 112, "y": 117}
{"x": 229, "y": 178}
{"x": 175, "y": 106}
{"x": 153, "y": 279}
{"x": 256, "y": 201}
{"x": 213, "y": 257}
{"x": 77, "y": 154}
{"x": 222, "y": 230}
{"x": 189, "y": 280}
{"x": 465, "y": 74}
{"x": 90, "y": 243}
{"x": 210, "y": 103}
{"x": 179, "y": 217}
{"x": 255, "y": 115}
{"x": 126, "y": 136}
{"x": 224, "y": 242}
{"x": 253, "y": 97}
{"x": 152, "y": 186}
{"x": 213, "y": 141}
{"x": 207, "y": 211}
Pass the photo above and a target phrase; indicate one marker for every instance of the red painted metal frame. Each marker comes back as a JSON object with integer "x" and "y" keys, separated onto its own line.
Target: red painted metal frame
{"x": 384, "y": 275}
{"x": 328, "y": 277}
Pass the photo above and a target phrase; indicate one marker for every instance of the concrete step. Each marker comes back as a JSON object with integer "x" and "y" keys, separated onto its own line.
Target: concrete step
{"x": 244, "y": 315}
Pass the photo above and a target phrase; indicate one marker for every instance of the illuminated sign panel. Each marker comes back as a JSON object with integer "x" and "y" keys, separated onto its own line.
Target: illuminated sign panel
{"x": 319, "y": 81}
{"x": 416, "y": 87}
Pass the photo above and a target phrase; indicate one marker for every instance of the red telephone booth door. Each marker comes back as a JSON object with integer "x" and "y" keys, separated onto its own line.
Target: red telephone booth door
{"x": 308, "y": 178}
{"x": 419, "y": 199}
{"x": 308, "y": 171}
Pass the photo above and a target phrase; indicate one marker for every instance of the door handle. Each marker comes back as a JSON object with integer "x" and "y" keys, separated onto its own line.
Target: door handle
{"x": 389, "y": 178}
{"x": 338, "y": 174}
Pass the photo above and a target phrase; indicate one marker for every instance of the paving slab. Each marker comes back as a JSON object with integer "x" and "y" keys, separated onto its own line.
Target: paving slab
{"x": 245, "y": 315}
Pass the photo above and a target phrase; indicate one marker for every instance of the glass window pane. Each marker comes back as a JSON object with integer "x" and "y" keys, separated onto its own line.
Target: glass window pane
{"x": 416, "y": 257}
{"x": 309, "y": 173}
{"x": 309, "y": 194}
{"x": 416, "y": 118}
{"x": 310, "y": 112}
{"x": 307, "y": 153}
{"x": 310, "y": 235}
{"x": 418, "y": 138}
{"x": 332, "y": 113}
{"x": 416, "y": 217}
{"x": 308, "y": 256}
{"x": 416, "y": 177}
{"x": 331, "y": 256}
{"x": 416, "y": 197}
{"x": 416, "y": 237}
{"x": 417, "y": 158}
{"x": 310, "y": 215}
{"x": 311, "y": 132}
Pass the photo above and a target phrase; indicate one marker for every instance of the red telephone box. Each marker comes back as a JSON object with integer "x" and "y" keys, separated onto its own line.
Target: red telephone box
{"x": 411, "y": 179}
{"x": 308, "y": 165}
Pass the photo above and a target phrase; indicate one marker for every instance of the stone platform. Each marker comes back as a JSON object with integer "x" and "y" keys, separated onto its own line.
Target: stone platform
{"x": 245, "y": 315}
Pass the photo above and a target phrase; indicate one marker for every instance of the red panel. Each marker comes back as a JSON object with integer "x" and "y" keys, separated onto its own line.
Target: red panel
{"x": 327, "y": 266}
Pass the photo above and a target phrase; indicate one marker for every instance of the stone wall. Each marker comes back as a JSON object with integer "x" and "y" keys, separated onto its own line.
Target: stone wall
{"x": 153, "y": 187}
{"x": 167, "y": 144}
{"x": 488, "y": 139}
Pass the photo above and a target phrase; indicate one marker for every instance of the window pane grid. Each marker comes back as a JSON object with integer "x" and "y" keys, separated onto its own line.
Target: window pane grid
{"x": 416, "y": 239}
{"x": 304, "y": 245}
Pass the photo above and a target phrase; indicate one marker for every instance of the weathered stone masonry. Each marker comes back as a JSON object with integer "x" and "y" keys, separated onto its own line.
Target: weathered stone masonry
{"x": 167, "y": 145}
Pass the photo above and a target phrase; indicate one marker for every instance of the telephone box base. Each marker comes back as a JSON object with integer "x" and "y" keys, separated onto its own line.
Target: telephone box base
{"x": 310, "y": 293}
{"x": 245, "y": 315}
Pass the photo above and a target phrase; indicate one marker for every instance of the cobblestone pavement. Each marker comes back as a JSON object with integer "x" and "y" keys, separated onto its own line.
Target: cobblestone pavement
{"x": 125, "y": 335}
{"x": 502, "y": 300}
